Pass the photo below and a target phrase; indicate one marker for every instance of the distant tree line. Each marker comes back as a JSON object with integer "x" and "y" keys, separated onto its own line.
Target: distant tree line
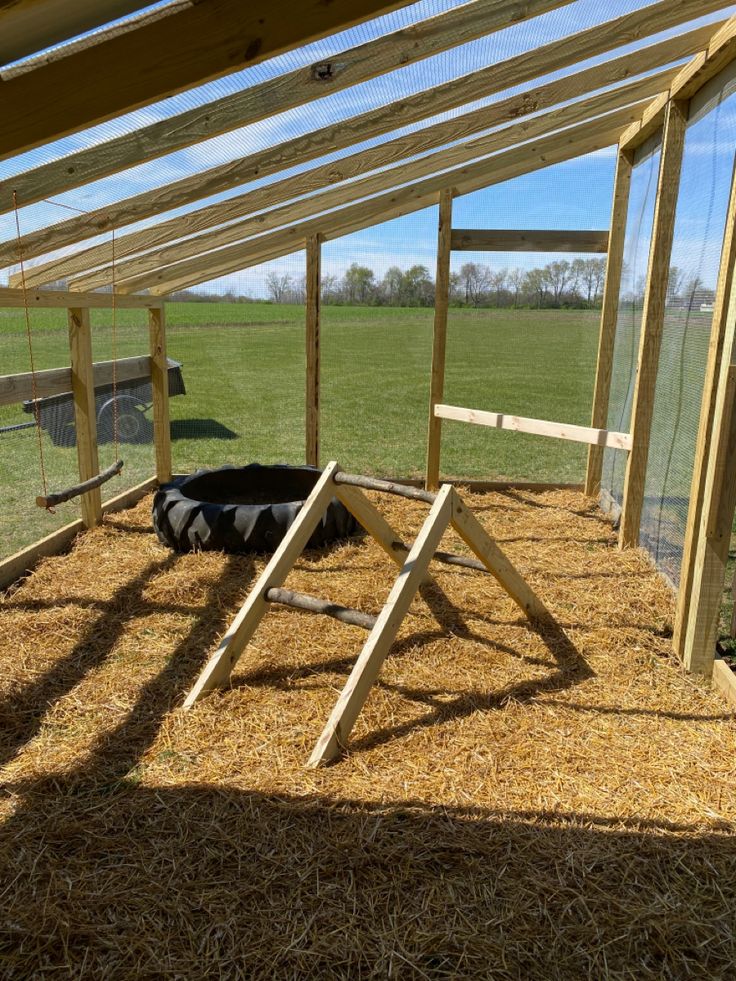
{"x": 685, "y": 290}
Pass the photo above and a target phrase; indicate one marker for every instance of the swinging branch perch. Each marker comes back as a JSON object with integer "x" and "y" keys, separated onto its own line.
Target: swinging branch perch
{"x": 51, "y": 500}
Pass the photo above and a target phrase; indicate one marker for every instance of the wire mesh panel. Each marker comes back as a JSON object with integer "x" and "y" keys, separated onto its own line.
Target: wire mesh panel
{"x": 639, "y": 224}
{"x": 37, "y": 437}
{"x": 700, "y": 221}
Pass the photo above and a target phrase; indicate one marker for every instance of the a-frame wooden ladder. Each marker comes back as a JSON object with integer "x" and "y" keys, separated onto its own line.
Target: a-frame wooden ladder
{"x": 447, "y": 509}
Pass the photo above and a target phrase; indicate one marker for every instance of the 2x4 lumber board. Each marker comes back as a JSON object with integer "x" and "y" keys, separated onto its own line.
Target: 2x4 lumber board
{"x": 288, "y": 91}
{"x": 57, "y": 381}
{"x": 609, "y": 315}
{"x": 714, "y": 534}
{"x": 314, "y": 289}
{"x": 160, "y": 393}
{"x": 719, "y": 53}
{"x": 14, "y": 298}
{"x": 135, "y": 269}
{"x": 511, "y": 581}
{"x": 83, "y": 390}
{"x": 531, "y": 156}
{"x": 335, "y": 734}
{"x": 313, "y": 604}
{"x": 28, "y": 26}
{"x": 219, "y": 667}
{"x": 514, "y": 71}
{"x": 652, "y": 321}
{"x": 125, "y": 69}
{"x": 721, "y": 335}
{"x": 724, "y": 679}
{"x": 439, "y": 339}
{"x": 502, "y": 240}
{"x": 537, "y": 427}
{"x": 22, "y": 562}
{"x": 375, "y": 123}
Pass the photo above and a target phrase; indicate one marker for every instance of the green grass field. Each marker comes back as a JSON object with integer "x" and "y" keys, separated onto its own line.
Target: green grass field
{"x": 243, "y": 366}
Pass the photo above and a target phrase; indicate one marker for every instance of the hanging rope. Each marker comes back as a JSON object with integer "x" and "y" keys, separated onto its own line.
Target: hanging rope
{"x": 115, "y": 422}
{"x": 29, "y": 336}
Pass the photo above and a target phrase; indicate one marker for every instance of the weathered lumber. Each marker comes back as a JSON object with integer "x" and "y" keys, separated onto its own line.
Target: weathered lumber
{"x": 527, "y": 240}
{"x": 312, "y": 604}
{"x": 312, "y": 342}
{"x": 160, "y": 393}
{"x": 85, "y": 416}
{"x": 76, "y": 490}
{"x": 57, "y": 381}
{"x": 385, "y": 486}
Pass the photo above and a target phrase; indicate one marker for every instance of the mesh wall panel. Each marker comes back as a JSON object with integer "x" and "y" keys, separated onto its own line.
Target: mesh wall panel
{"x": 700, "y": 220}
{"x": 639, "y": 222}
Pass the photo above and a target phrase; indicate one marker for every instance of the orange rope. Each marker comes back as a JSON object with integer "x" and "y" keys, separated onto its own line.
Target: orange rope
{"x": 34, "y": 389}
{"x": 114, "y": 354}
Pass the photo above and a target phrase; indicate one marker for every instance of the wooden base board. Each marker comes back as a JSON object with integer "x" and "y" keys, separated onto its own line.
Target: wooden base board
{"x": 18, "y": 565}
{"x": 488, "y": 486}
{"x": 724, "y": 679}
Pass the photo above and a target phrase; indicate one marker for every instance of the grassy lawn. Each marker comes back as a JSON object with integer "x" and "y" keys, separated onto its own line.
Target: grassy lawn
{"x": 243, "y": 366}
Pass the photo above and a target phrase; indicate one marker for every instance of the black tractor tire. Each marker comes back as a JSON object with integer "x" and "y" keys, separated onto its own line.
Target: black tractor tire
{"x": 133, "y": 426}
{"x": 242, "y": 509}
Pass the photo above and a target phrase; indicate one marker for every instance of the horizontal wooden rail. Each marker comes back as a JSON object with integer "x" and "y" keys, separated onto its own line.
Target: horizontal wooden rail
{"x": 312, "y": 604}
{"x": 385, "y": 486}
{"x": 537, "y": 427}
{"x": 60, "y": 299}
{"x": 58, "y": 381}
{"x": 531, "y": 240}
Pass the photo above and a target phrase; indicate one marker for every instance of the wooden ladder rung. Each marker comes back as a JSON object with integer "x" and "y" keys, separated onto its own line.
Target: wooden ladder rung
{"x": 312, "y": 604}
{"x": 448, "y": 558}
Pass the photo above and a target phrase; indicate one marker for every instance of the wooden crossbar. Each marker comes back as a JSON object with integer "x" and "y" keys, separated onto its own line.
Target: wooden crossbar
{"x": 538, "y": 427}
{"x": 447, "y": 511}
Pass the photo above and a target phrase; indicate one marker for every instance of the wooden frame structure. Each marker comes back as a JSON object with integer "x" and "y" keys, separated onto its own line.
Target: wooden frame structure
{"x": 447, "y": 510}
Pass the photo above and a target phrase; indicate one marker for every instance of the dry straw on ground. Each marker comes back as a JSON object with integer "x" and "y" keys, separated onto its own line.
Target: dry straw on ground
{"x": 513, "y": 805}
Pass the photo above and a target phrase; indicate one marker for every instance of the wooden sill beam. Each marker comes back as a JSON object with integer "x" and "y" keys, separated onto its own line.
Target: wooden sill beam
{"x": 502, "y": 240}
{"x": 61, "y": 300}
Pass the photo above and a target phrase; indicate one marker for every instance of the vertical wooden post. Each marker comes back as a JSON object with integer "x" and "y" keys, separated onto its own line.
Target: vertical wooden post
{"x": 721, "y": 339}
{"x": 160, "y": 390}
{"x": 609, "y": 316}
{"x": 719, "y": 502}
{"x": 439, "y": 340}
{"x": 85, "y": 415}
{"x": 652, "y": 320}
{"x": 314, "y": 284}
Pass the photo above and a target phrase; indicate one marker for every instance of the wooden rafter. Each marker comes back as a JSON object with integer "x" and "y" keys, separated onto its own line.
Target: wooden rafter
{"x": 288, "y": 91}
{"x": 125, "y": 69}
{"x": 527, "y": 240}
{"x": 526, "y": 67}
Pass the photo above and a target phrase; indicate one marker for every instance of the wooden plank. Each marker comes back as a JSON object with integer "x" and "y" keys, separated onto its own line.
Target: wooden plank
{"x": 85, "y": 417}
{"x": 412, "y": 197}
{"x": 652, "y": 321}
{"x": 477, "y": 538}
{"x": 219, "y": 667}
{"x": 714, "y": 535}
{"x": 538, "y": 427}
{"x": 22, "y": 562}
{"x": 267, "y": 99}
{"x": 363, "y": 127}
{"x": 204, "y": 40}
{"x": 724, "y": 680}
{"x": 334, "y": 736}
{"x": 720, "y": 52}
{"x": 12, "y": 298}
{"x": 609, "y": 316}
{"x": 721, "y": 335}
{"x": 160, "y": 393}
{"x": 514, "y": 71}
{"x": 531, "y": 240}
{"x": 439, "y": 338}
{"x": 314, "y": 287}
{"x": 57, "y": 381}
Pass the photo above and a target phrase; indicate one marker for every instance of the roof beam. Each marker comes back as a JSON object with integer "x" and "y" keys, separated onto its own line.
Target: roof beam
{"x": 125, "y": 68}
{"x": 359, "y": 64}
{"x": 527, "y": 240}
{"x": 514, "y": 71}
{"x": 345, "y": 192}
{"x": 719, "y": 53}
{"x": 528, "y": 157}
{"x": 507, "y": 110}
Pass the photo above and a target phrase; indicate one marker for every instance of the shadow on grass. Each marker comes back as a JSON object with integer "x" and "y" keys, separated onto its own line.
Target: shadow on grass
{"x": 200, "y": 429}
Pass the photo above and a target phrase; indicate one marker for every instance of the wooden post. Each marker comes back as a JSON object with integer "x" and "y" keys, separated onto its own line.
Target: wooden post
{"x": 609, "y": 315}
{"x": 314, "y": 283}
{"x": 652, "y": 320}
{"x": 160, "y": 390}
{"x": 85, "y": 416}
{"x": 439, "y": 341}
{"x": 721, "y": 338}
{"x": 699, "y": 646}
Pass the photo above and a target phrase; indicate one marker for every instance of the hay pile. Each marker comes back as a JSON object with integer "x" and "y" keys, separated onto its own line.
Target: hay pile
{"x": 513, "y": 805}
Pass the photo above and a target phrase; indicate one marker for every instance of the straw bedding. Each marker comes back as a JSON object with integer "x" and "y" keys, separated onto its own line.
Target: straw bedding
{"x": 513, "y": 805}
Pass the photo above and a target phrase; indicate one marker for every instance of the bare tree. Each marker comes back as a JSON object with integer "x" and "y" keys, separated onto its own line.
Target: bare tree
{"x": 278, "y": 286}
